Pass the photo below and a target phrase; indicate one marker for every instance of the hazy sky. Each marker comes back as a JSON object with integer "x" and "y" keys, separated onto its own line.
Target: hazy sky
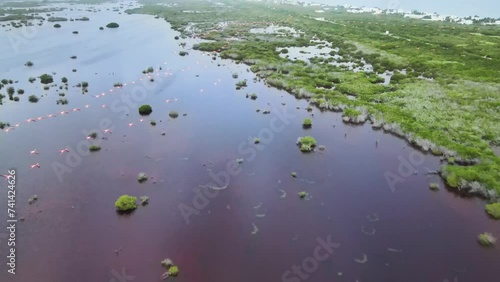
{"x": 482, "y": 8}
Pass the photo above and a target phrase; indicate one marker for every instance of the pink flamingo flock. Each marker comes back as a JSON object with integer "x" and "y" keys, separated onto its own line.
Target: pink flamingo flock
{"x": 87, "y": 106}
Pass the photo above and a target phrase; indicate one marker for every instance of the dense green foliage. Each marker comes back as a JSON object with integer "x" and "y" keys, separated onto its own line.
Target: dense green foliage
{"x": 173, "y": 114}
{"x": 126, "y": 203}
{"x": 46, "y": 78}
{"x": 145, "y": 110}
{"x": 493, "y": 210}
{"x": 112, "y": 25}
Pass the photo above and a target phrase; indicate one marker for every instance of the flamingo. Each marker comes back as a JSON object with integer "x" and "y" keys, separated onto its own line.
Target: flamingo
{"x": 34, "y": 152}
{"x": 63, "y": 112}
{"x": 37, "y": 165}
{"x": 168, "y": 101}
{"x": 96, "y": 96}
{"x": 7, "y": 176}
{"x": 65, "y": 150}
{"x": 39, "y": 118}
{"x": 51, "y": 116}
{"x": 9, "y": 129}
{"x": 88, "y": 138}
{"x": 141, "y": 120}
{"x": 107, "y": 131}
{"x": 31, "y": 120}
{"x": 86, "y": 106}
{"x": 104, "y": 106}
{"x": 130, "y": 124}
{"x": 76, "y": 109}
{"x": 201, "y": 90}
{"x": 17, "y": 125}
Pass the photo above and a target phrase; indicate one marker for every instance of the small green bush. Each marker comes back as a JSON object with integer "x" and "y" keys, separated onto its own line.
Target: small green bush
{"x": 173, "y": 114}
{"x": 32, "y": 79}
{"x": 33, "y": 99}
{"x": 256, "y": 140}
{"x": 11, "y": 90}
{"x": 145, "y": 110}
{"x": 46, "y": 78}
{"x": 142, "y": 177}
{"x": 486, "y": 239}
{"x": 112, "y": 25}
{"x": 434, "y": 186}
{"x": 94, "y": 148}
{"x": 253, "y": 96}
{"x": 167, "y": 263}
{"x": 303, "y": 194}
{"x": 306, "y": 143}
{"x": 350, "y": 112}
{"x": 29, "y": 64}
{"x": 493, "y": 210}
{"x": 294, "y": 174}
{"x": 144, "y": 200}
{"x": 173, "y": 270}
{"x": 126, "y": 203}
{"x": 93, "y": 135}
{"x": 64, "y": 80}
{"x": 307, "y": 123}
{"x": 153, "y": 123}
{"x": 57, "y": 25}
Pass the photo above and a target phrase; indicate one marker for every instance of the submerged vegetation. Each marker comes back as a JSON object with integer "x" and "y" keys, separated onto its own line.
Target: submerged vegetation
{"x": 431, "y": 99}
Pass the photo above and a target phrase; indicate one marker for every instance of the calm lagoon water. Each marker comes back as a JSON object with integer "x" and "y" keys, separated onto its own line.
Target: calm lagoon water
{"x": 71, "y": 233}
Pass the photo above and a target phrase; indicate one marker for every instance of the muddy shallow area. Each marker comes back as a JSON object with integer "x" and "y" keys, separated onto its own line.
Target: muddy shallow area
{"x": 257, "y": 228}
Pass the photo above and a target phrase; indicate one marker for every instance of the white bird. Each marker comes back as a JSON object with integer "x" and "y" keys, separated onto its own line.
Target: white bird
{"x": 63, "y": 112}
{"x": 31, "y": 120}
{"x": 130, "y": 124}
{"x": 107, "y": 131}
{"x": 39, "y": 118}
{"x": 34, "y": 152}
{"x": 9, "y": 129}
{"x": 65, "y": 150}
{"x": 86, "y": 106}
{"x": 51, "y": 115}
{"x": 17, "y": 125}
{"x": 76, "y": 109}
{"x": 104, "y": 106}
